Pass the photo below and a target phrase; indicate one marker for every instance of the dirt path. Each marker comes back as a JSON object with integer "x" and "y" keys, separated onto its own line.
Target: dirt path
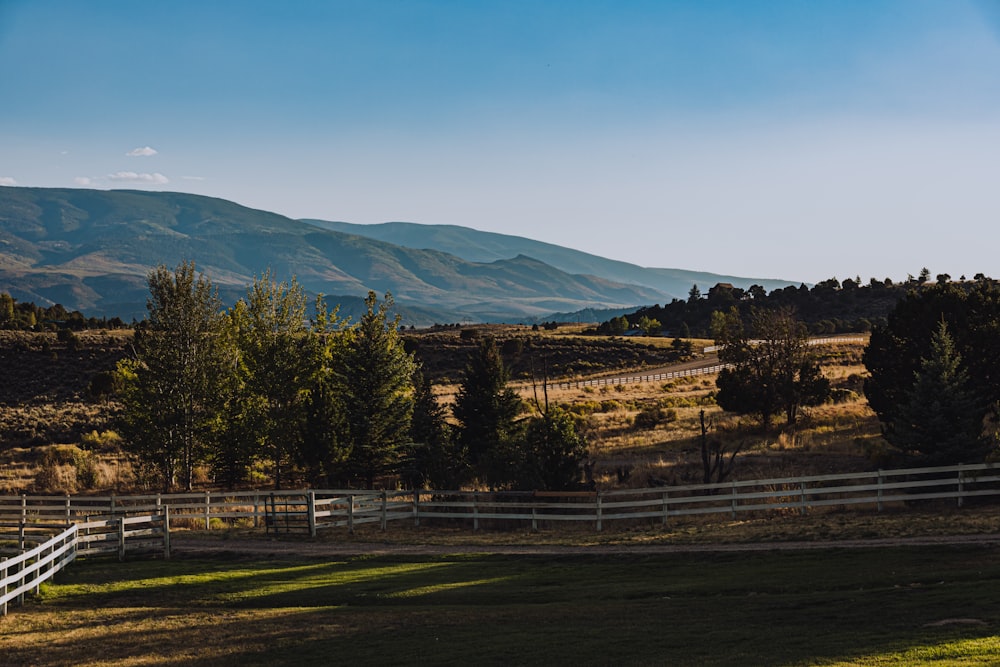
{"x": 195, "y": 545}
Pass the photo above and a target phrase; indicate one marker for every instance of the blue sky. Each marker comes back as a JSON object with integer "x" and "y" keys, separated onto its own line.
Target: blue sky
{"x": 783, "y": 139}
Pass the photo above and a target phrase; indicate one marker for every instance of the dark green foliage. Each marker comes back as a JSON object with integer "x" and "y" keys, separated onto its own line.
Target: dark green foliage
{"x": 435, "y": 460}
{"x": 105, "y": 384}
{"x": 829, "y": 307}
{"x": 898, "y": 352}
{"x": 771, "y": 369}
{"x": 322, "y": 450}
{"x": 374, "y": 374}
{"x": 941, "y": 417}
{"x": 486, "y": 410}
{"x": 553, "y": 452}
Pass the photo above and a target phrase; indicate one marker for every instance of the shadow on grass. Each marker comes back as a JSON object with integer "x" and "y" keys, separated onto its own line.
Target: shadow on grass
{"x": 712, "y": 609}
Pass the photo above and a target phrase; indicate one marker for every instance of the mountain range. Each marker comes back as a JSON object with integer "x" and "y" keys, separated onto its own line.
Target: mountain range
{"x": 91, "y": 250}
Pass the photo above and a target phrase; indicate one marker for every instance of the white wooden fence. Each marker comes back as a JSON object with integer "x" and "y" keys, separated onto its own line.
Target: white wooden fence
{"x": 310, "y": 511}
{"x": 27, "y": 570}
{"x": 632, "y": 379}
{"x": 690, "y": 372}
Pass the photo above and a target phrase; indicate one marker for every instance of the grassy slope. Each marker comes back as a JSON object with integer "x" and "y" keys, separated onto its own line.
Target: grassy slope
{"x": 89, "y": 249}
{"x": 864, "y": 607}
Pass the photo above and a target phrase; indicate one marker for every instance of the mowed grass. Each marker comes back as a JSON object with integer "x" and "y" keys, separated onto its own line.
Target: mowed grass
{"x": 910, "y": 606}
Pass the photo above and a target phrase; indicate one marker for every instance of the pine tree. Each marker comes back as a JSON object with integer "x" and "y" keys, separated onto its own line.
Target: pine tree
{"x": 435, "y": 461}
{"x": 941, "y": 417}
{"x": 486, "y": 410}
{"x": 374, "y": 374}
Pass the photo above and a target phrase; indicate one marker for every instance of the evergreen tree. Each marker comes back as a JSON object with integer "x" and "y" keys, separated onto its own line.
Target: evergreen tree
{"x": 486, "y": 410}
{"x": 898, "y": 347}
{"x": 941, "y": 416}
{"x": 172, "y": 386}
{"x": 375, "y": 377}
{"x": 554, "y": 452}
{"x": 435, "y": 460}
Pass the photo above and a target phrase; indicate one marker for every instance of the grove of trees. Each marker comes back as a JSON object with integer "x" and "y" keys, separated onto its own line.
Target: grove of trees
{"x": 269, "y": 391}
{"x": 935, "y": 372}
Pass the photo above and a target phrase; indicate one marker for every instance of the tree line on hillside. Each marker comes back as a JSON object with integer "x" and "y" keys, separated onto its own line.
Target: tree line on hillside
{"x": 829, "y": 307}
{"x": 26, "y": 316}
{"x": 266, "y": 386}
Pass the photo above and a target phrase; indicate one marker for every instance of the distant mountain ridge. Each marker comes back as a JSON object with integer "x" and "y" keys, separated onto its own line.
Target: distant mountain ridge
{"x": 478, "y": 246}
{"x": 91, "y": 250}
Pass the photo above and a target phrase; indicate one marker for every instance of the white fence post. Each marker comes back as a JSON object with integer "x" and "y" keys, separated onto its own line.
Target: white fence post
{"x": 3, "y": 589}
{"x": 599, "y": 521}
{"x": 878, "y": 503}
{"x": 208, "y": 510}
{"x": 121, "y": 537}
{"x": 166, "y": 532}
{"x": 475, "y": 511}
{"x": 311, "y": 511}
{"x": 383, "y": 515}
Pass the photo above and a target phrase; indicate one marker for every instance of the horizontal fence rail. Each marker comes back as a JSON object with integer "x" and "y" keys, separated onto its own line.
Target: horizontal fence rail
{"x": 689, "y": 372}
{"x": 31, "y": 567}
{"x": 310, "y": 511}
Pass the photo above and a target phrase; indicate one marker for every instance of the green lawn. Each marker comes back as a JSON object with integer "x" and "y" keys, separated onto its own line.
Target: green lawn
{"x": 929, "y": 605}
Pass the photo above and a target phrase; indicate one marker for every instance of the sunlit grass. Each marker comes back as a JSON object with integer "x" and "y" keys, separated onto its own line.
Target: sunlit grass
{"x": 867, "y": 607}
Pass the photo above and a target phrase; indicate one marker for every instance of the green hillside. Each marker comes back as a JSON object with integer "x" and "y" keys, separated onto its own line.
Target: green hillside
{"x": 477, "y": 246}
{"x": 90, "y": 250}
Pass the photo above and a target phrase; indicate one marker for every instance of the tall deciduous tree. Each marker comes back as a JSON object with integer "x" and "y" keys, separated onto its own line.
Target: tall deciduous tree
{"x": 172, "y": 387}
{"x": 770, "y": 368}
{"x": 486, "y": 410}
{"x": 278, "y": 364}
{"x": 375, "y": 377}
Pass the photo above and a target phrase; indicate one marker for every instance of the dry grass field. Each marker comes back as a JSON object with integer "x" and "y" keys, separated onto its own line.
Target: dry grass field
{"x": 56, "y": 437}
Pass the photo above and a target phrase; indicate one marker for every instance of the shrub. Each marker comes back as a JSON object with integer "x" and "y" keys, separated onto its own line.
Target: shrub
{"x": 651, "y": 417}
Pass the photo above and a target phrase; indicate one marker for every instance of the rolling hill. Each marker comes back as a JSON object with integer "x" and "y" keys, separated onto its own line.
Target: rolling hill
{"x": 477, "y": 246}
{"x": 91, "y": 250}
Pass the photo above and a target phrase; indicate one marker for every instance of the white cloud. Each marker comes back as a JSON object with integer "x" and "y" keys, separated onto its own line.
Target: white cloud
{"x": 143, "y": 151}
{"x": 133, "y": 177}
{"x": 83, "y": 180}
{"x": 193, "y": 178}
{"x": 7, "y": 180}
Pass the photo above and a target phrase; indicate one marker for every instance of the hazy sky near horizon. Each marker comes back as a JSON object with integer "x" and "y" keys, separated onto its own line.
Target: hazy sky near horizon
{"x": 779, "y": 139}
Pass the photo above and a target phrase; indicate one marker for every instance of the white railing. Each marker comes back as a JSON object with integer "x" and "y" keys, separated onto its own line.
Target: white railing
{"x": 311, "y": 510}
{"x": 831, "y": 340}
{"x": 632, "y": 379}
{"x": 27, "y": 570}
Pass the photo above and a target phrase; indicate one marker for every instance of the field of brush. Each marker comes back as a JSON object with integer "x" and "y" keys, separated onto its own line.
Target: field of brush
{"x": 55, "y": 437}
